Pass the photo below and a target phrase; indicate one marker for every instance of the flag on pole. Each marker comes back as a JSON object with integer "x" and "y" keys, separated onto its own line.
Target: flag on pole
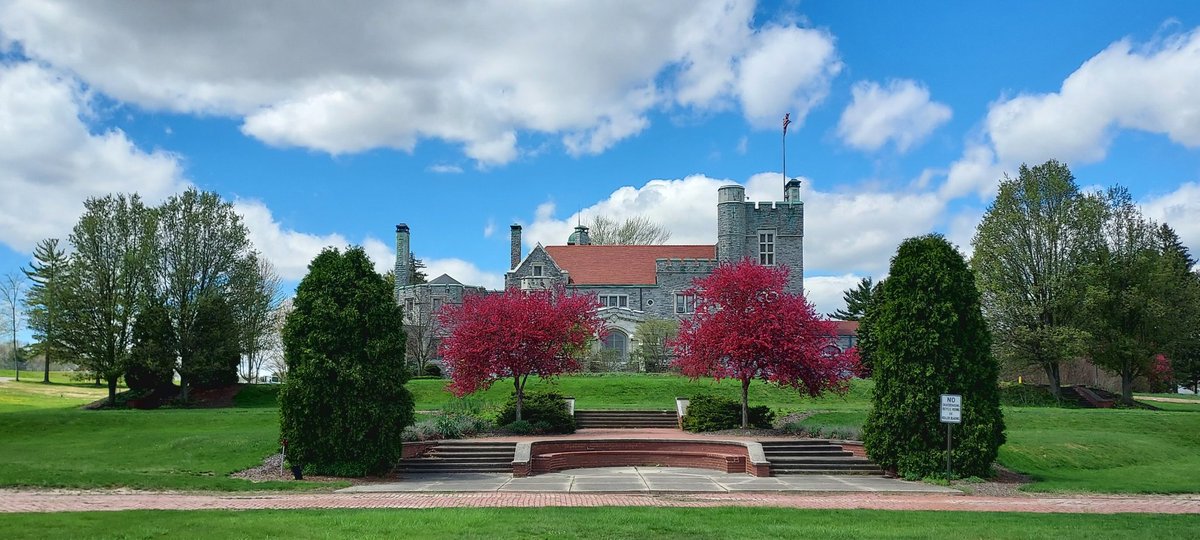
{"x": 786, "y": 120}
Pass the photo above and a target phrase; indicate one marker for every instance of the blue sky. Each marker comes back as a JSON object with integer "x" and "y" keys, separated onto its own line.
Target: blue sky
{"x": 329, "y": 125}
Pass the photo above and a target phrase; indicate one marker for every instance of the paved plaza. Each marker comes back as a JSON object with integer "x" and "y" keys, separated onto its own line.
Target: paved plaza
{"x": 645, "y": 480}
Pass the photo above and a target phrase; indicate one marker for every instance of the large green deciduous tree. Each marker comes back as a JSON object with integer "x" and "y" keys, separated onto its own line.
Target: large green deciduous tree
{"x": 928, "y": 337}
{"x": 107, "y": 281}
{"x": 12, "y": 296}
{"x": 255, "y": 299}
{"x": 654, "y": 353}
{"x": 1139, "y": 294}
{"x": 344, "y": 404}
{"x": 1184, "y": 351}
{"x": 200, "y": 241}
{"x": 43, "y": 302}
{"x": 1029, "y": 250}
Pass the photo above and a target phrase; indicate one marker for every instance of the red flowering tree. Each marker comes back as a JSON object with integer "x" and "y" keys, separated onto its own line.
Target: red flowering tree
{"x": 516, "y": 334}
{"x": 747, "y": 326}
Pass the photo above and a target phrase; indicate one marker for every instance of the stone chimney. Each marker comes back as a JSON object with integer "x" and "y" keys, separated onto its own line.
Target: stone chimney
{"x": 514, "y": 253}
{"x": 403, "y": 257}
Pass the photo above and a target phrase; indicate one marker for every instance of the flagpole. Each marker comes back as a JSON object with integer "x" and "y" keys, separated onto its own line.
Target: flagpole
{"x": 786, "y": 121}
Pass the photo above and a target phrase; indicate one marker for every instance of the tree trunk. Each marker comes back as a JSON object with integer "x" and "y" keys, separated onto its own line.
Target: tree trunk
{"x": 745, "y": 403}
{"x": 46, "y": 377}
{"x": 112, "y": 390}
{"x": 1053, "y": 375}
{"x": 1127, "y": 387}
{"x": 520, "y": 397}
{"x": 184, "y": 386}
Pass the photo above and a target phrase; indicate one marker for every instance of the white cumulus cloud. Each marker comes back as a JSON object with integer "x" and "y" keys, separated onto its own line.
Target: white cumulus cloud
{"x": 1152, "y": 87}
{"x": 787, "y": 69}
{"x": 50, "y": 161}
{"x": 348, "y": 77}
{"x": 900, "y": 113}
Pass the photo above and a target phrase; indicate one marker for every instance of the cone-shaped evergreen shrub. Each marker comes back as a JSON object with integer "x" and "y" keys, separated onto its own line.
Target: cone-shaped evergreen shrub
{"x": 344, "y": 404}
{"x": 927, "y": 338}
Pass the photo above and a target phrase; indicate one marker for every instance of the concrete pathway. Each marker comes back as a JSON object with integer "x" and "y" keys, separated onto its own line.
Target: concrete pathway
{"x": 645, "y": 480}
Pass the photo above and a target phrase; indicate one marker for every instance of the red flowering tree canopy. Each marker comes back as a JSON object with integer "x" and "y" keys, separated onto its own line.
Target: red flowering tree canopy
{"x": 516, "y": 334}
{"x": 748, "y": 326}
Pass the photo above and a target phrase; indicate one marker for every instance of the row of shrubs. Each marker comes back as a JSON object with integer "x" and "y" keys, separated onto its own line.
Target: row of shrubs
{"x": 546, "y": 413}
{"x": 541, "y": 413}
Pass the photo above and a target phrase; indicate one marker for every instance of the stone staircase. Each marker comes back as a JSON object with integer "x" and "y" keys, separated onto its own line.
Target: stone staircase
{"x": 625, "y": 419}
{"x": 461, "y": 457}
{"x": 815, "y": 457}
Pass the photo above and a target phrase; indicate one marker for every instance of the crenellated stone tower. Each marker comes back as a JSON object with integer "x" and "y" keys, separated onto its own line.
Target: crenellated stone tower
{"x": 771, "y": 233}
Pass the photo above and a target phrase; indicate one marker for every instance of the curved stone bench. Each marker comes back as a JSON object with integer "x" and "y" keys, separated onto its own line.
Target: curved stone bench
{"x": 556, "y": 455}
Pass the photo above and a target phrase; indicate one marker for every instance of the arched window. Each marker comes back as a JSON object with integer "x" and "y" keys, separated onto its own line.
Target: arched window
{"x": 618, "y": 342}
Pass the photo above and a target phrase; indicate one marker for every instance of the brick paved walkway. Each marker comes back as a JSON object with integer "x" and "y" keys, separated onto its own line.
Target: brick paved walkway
{"x": 52, "y": 501}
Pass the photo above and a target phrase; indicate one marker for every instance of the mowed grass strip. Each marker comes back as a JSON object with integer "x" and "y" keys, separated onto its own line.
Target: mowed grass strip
{"x": 612, "y": 522}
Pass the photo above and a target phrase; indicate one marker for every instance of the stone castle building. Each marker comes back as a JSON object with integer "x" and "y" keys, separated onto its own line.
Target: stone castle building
{"x": 633, "y": 283}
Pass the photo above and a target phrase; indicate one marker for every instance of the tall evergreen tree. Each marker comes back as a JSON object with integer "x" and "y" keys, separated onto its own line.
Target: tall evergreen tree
{"x": 43, "y": 302}
{"x": 928, "y": 337}
{"x": 344, "y": 404}
{"x": 151, "y": 363}
{"x": 216, "y": 347}
{"x": 857, "y": 300}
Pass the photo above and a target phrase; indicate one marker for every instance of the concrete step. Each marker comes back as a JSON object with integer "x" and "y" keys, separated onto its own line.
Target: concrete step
{"x": 452, "y": 470}
{"x": 625, "y": 419}
{"x": 836, "y": 451}
{"x": 827, "y": 471}
{"x": 459, "y": 456}
{"x": 797, "y": 443}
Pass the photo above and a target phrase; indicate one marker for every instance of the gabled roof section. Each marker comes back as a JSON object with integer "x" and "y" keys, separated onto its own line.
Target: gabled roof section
{"x": 846, "y": 328}
{"x": 620, "y": 265}
{"x": 444, "y": 279}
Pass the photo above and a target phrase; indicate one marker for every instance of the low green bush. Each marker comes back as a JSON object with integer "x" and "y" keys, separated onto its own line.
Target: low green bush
{"x": 715, "y": 413}
{"x": 1027, "y": 395}
{"x": 519, "y": 427}
{"x": 547, "y": 407}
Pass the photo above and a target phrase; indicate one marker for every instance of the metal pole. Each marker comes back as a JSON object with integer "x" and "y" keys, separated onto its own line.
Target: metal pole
{"x": 785, "y": 155}
{"x": 949, "y": 428}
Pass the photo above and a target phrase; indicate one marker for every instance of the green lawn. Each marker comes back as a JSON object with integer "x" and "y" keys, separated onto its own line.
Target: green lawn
{"x": 48, "y": 441}
{"x": 1113, "y": 450}
{"x": 1192, "y": 397}
{"x": 36, "y": 376}
{"x": 616, "y": 522}
{"x": 628, "y": 391}
{"x": 1193, "y": 406}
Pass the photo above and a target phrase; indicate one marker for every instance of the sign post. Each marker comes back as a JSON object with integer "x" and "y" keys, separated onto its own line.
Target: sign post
{"x": 950, "y": 413}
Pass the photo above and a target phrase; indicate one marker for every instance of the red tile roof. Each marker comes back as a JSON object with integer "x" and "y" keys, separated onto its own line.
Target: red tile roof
{"x": 620, "y": 265}
{"x": 846, "y": 328}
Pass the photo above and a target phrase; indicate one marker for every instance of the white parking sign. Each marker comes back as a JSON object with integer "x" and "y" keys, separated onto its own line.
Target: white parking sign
{"x": 951, "y": 411}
